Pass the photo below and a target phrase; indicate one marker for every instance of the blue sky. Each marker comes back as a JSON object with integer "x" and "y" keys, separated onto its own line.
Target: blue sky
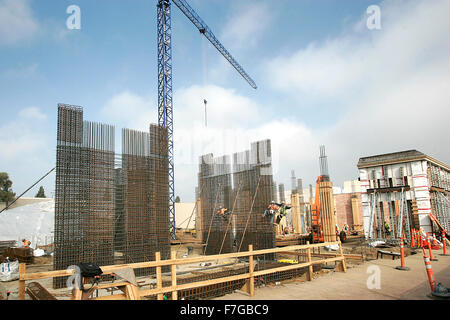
{"x": 323, "y": 78}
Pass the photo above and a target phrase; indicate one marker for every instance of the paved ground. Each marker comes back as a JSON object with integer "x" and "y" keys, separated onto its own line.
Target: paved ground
{"x": 394, "y": 284}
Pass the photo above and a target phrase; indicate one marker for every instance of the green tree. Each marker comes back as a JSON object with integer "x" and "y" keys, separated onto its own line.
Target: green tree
{"x": 6, "y": 194}
{"x": 177, "y": 199}
{"x": 41, "y": 193}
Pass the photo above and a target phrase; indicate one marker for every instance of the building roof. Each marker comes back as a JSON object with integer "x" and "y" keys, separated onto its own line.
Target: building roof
{"x": 398, "y": 157}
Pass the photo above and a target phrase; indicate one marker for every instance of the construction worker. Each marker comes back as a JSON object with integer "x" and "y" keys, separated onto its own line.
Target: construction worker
{"x": 26, "y": 243}
{"x": 387, "y": 228}
{"x": 223, "y": 212}
{"x": 270, "y": 211}
{"x": 282, "y": 211}
{"x": 345, "y": 228}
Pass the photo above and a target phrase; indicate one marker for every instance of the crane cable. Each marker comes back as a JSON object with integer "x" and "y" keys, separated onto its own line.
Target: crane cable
{"x": 9, "y": 205}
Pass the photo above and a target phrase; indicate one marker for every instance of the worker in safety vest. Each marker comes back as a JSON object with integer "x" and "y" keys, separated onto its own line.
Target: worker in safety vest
{"x": 387, "y": 228}
{"x": 282, "y": 211}
{"x": 345, "y": 228}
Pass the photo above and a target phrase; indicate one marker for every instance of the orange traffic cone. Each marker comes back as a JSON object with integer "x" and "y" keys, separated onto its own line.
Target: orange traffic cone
{"x": 444, "y": 245}
{"x": 429, "y": 270}
{"x": 420, "y": 241}
{"x": 429, "y": 248}
{"x": 413, "y": 238}
{"x": 435, "y": 245}
{"x": 402, "y": 257}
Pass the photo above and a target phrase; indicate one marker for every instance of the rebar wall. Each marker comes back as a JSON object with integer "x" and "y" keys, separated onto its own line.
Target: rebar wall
{"x": 84, "y": 199}
{"x": 257, "y": 229}
{"x": 146, "y": 195}
{"x": 139, "y": 239}
{"x": 253, "y": 189}
{"x": 109, "y": 210}
{"x": 216, "y": 193}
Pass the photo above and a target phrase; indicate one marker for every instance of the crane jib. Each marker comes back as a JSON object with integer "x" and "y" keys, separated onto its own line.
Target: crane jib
{"x": 165, "y": 103}
{"x": 204, "y": 29}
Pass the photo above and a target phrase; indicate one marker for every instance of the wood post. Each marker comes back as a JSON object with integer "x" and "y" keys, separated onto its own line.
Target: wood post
{"x": 22, "y": 270}
{"x": 173, "y": 256}
{"x": 343, "y": 263}
{"x": 296, "y": 220}
{"x": 251, "y": 270}
{"x": 159, "y": 275}
{"x": 310, "y": 267}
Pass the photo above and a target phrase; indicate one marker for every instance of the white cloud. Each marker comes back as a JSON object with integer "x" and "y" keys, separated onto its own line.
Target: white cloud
{"x": 32, "y": 113}
{"x": 234, "y": 121}
{"x": 392, "y": 85}
{"x": 22, "y": 72}
{"x": 23, "y": 136}
{"x": 246, "y": 25}
{"x": 131, "y": 111}
{"x": 17, "y": 23}
{"x": 27, "y": 151}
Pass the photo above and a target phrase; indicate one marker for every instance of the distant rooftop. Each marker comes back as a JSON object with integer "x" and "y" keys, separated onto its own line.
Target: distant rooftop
{"x": 397, "y": 157}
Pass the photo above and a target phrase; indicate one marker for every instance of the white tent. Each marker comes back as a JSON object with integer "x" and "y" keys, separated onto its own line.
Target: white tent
{"x": 34, "y": 222}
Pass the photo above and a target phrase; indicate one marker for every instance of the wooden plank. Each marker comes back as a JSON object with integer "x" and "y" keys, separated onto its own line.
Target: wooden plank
{"x": 324, "y": 255}
{"x": 111, "y": 285}
{"x": 310, "y": 267}
{"x": 151, "y": 264}
{"x": 22, "y": 270}
{"x": 151, "y": 292}
{"x": 112, "y": 297}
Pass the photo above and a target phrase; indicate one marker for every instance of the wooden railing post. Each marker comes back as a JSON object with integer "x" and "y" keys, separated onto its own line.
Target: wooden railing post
{"x": 251, "y": 270}
{"x": 22, "y": 270}
{"x": 173, "y": 256}
{"x": 159, "y": 275}
{"x": 310, "y": 267}
{"x": 344, "y": 264}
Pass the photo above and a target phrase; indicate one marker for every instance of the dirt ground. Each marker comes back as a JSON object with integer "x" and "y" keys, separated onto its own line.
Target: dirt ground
{"x": 359, "y": 282}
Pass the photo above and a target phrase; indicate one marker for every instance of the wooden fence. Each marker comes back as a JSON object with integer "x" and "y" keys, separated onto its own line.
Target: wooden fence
{"x": 132, "y": 292}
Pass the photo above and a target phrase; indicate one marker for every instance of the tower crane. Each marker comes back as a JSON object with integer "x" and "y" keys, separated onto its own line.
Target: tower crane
{"x": 165, "y": 97}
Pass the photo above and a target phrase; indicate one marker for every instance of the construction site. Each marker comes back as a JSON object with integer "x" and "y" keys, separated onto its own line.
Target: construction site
{"x": 114, "y": 230}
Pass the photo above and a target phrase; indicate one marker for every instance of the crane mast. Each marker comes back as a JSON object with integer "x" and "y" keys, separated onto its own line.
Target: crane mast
{"x": 165, "y": 92}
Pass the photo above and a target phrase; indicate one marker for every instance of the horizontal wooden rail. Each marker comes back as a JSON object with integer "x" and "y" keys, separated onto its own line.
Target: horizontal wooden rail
{"x": 173, "y": 262}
